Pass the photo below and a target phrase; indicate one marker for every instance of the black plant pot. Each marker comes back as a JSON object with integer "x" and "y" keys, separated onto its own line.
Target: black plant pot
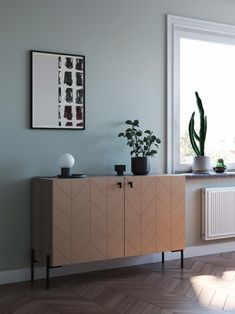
{"x": 140, "y": 165}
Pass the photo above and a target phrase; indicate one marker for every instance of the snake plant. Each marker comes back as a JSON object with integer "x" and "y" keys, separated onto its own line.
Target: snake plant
{"x": 198, "y": 139}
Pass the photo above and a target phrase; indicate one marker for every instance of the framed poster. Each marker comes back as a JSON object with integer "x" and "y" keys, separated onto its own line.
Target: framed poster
{"x": 58, "y": 91}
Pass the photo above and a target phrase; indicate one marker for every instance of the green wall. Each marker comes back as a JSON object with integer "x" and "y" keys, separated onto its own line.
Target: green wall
{"x": 124, "y": 42}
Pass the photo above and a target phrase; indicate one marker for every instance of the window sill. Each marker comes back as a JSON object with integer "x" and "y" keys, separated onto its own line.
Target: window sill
{"x": 211, "y": 174}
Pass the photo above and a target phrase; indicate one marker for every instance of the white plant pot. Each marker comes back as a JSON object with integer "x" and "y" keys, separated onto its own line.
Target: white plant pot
{"x": 201, "y": 164}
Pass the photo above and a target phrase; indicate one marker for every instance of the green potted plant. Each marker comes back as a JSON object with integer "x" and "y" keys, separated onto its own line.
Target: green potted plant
{"x": 141, "y": 144}
{"x": 201, "y": 163}
{"x": 220, "y": 167}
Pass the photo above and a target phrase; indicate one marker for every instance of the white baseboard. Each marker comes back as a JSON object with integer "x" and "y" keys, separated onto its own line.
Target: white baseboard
{"x": 208, "y": 249}
{"x": 19, "y": 275}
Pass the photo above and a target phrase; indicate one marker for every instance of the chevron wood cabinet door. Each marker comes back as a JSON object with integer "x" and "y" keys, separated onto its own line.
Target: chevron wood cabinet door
{"x": 163, "y": 213}
{"x": 148, "y": 215}
{"x": 98, "y": 218}
{"x": 61, "y": 227}
{"x": 51, "y": 220}
{"x": 132, "y": 216}
{"x": 106, "y": 218}
{"x": 115, "y": 217}
{"x": 178, "y": 213}
{"x": 170, "y": 217}
{"x": 80, "y": 222}
{"x": 140, "y": 212}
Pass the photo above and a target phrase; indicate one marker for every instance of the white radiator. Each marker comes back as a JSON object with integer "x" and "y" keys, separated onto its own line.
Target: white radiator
{"x": 218, "y": 213}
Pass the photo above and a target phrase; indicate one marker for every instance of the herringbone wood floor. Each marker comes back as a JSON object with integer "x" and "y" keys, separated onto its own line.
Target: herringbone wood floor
{"x": 205, "y": 285}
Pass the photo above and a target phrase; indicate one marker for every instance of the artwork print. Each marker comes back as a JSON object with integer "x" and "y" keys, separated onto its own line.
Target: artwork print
{"x": 58, "y": 91}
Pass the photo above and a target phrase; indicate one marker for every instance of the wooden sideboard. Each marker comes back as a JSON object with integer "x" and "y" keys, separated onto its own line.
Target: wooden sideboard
{"x": 106, "y": 217}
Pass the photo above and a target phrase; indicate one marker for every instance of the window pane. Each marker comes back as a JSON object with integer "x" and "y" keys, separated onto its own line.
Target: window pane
{"x": 208, "y": 68}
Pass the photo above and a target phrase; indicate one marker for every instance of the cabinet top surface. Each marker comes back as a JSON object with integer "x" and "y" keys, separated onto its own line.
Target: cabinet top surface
{"x": 109, "y": 176}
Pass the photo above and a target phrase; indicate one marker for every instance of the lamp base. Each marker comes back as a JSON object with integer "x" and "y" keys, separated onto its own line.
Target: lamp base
{"x": 65, "y": 172}
{"x": 73, "y": 176}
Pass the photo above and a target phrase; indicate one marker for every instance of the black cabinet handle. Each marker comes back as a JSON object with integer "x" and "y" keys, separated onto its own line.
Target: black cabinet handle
{"x": 119, "y": 184}
{"x": 130, "y": 184}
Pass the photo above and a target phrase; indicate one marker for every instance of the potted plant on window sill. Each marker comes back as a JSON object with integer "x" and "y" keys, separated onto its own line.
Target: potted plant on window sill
{"x": 220, "y": 167}
{"x": 201, "y": 163}
{"x": 141, "y": 143}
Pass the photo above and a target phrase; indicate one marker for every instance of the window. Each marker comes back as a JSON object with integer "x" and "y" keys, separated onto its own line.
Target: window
{"x": 201, "y": 57}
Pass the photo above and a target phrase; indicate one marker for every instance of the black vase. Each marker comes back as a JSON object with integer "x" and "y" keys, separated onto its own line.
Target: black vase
{"x": 140, "y": 165}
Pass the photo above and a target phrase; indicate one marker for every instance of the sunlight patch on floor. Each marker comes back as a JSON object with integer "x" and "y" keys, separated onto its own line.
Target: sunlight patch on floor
{"x": 229, "y": 275}
{"x": 209, "y": 281}
{"x": 215, "y": 291}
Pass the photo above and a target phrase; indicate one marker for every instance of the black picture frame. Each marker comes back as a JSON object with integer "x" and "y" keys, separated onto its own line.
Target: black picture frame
{"x": 57, "y": 91}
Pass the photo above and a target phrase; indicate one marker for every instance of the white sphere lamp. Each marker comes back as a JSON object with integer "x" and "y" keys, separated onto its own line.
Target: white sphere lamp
{"x": 66, "y": 161}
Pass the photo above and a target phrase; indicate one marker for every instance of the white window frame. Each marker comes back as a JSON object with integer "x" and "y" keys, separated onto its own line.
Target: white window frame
{"x": 178, "y": 27}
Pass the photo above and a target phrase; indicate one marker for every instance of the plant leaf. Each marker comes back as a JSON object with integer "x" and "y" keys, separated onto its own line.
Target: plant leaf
{"x": 120, "y": 134}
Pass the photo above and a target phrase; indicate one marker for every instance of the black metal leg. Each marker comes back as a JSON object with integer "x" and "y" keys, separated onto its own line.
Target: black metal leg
{"x": 48, "y": 266}
{"x": 163, "y": 257}
{"x": 182, "y": 258}
{"x": 32, "y": 265}
{"x": 48, "y": 262}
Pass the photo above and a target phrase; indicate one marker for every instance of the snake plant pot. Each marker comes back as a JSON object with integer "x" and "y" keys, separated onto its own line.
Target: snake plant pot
{"x": 201, "y": 164}
{"x": 140, "y": 165}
